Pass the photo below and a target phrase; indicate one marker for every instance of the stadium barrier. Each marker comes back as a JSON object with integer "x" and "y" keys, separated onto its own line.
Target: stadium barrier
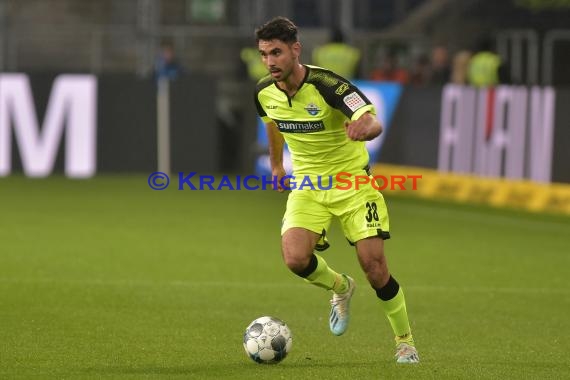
{"x": 83, "y": 125}
{"x": 496, "y": 192}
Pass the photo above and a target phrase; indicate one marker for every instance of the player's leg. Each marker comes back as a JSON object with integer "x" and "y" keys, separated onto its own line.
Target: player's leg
{"x": 304, "y": 230}
{"x": 366, "y": 224}
{"x": 373, "y": 262}
{"x": 298, "y": 246}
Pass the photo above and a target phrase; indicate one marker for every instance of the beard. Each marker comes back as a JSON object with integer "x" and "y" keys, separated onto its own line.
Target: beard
{"x": 280, "y": 74}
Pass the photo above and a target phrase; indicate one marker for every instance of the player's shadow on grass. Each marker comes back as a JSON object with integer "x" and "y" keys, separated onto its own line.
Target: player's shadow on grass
{"x": 225, "y": 368}
{"x": 149, "y": 370}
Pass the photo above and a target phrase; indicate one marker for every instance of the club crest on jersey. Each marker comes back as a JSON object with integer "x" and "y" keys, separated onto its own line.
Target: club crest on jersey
{"x": 312, "y": 109}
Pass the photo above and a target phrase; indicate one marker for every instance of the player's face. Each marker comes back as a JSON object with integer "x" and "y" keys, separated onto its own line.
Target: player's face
{"x": 279, "y": 57}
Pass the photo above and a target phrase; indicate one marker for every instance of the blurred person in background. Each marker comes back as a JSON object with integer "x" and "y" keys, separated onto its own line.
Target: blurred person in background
{"x": 390, "y": 71}
{"x": 460, "y": 67}
{"x": 440, "y": 67}
{"x": 337, "y": 56}
{"x": 255, "y": 68}
{"x": 420, "y": 73}
{"x": 486, "y": 67}
{"x": 167, "y": 65}
{"x": 325, "y": 121}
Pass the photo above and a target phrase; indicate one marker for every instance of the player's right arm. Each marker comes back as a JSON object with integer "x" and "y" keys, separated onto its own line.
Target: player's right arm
{"x": 275, "y": 139}
{"x": 276, "y": 144}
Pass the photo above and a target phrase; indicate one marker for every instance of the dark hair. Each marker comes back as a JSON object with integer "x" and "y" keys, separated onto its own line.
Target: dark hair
{"x": 279, "y": 28}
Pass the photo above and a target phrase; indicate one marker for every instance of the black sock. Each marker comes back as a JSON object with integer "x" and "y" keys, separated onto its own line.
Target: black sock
{"x": 388, "y": 291}
{"x": 310, "y": 268}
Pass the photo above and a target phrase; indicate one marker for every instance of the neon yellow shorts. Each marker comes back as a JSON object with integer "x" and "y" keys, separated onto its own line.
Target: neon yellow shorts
{"x": 362, "y": 213}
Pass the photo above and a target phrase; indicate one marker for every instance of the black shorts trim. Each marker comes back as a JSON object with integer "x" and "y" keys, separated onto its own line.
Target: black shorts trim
{"x": 325, "y": 245}
{"x": 384, "y": 235}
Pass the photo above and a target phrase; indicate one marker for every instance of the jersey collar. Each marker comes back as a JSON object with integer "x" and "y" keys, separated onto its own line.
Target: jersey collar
{"x": 307, "y": 68}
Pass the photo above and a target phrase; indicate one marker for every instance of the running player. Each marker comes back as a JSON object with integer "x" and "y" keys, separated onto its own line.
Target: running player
{"x": 325, "y": 121}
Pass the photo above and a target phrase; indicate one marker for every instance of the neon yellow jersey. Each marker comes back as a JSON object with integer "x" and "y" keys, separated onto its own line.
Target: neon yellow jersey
{"x": 312, "y": 122}
{"x": 484, "y": 69}
{"x": 255, "y": 67}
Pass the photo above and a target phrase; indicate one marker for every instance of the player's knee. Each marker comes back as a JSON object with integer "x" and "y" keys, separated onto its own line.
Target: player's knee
{"x": 373, "y": 267}
{"x": 297, "y": 247}
{"x": 296, "y": 262}
{"x": 377, "y": 279}
{"x": 376, "y": 270}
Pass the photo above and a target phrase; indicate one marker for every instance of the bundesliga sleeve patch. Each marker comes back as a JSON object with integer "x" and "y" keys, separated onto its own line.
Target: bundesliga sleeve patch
{"x": 354, "y": 101}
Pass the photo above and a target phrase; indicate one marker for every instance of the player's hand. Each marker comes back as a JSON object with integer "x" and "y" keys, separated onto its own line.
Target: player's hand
{"x": 365, "y": 128}
{"x": 356, "y": 130}
{"x": 279, "y": 174}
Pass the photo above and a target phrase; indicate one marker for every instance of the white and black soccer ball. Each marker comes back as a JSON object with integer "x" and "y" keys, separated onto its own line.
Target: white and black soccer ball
{"x": 267, "y": 340}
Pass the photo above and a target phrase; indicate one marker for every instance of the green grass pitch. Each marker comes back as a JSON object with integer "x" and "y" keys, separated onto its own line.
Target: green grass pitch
{"x": 105, "y": 278}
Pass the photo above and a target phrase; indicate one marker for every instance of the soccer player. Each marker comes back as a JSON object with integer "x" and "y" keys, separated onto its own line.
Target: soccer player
{"x": 325, "y": 121}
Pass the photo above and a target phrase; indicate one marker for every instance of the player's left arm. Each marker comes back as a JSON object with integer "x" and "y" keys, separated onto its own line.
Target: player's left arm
{"x": 365, "y": 128}
{"x": 351, "y": 101}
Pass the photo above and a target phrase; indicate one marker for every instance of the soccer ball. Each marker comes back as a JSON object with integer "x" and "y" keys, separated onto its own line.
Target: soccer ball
{"x": 267, "y": 340}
